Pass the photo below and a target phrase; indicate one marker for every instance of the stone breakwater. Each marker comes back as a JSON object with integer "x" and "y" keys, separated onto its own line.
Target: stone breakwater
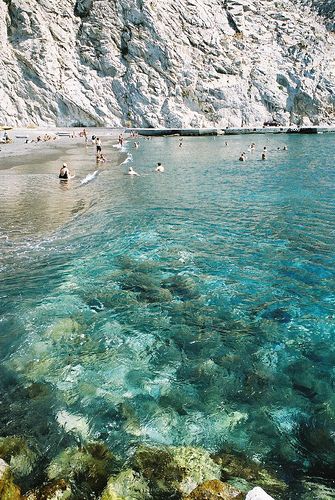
{"x": 151, "y": 63}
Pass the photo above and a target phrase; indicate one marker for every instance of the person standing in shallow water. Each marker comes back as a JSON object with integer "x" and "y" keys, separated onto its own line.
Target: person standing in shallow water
{"x": 64, "y": 172}
{"x": 98, "y": 145}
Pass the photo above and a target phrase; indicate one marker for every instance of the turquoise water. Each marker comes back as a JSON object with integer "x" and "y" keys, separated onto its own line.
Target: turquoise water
{"x": 191, "y": 307}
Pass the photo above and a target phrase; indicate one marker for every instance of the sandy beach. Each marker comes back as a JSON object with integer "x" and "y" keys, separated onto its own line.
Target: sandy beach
{"x": 66, "y": 138}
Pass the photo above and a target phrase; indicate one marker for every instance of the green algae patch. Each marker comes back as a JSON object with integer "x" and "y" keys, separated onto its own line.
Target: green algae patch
{"x": 174, "y": 470}
{"x": 237, "y": 468}
{"x": 128, "y": 485}
{"x": 15, "y": 451}
{"x": 215, "y": 490}
{"x": 90, "y": 466}
{"x": 57, "y": 490}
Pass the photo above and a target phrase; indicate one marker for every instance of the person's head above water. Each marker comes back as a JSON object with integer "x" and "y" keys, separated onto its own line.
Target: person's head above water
{"x": 64, "y": 165}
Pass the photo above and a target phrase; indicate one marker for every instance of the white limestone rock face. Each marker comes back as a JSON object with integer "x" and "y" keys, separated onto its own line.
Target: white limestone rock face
{"x": 180, "y": 63}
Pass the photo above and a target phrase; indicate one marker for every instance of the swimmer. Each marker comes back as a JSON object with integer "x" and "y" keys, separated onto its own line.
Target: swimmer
{"x": 243, "y": 156}
{"x": 64, "y": 173}
{"x": 264, "y": 155}
{"x": 131, "y": 171}
{"x": 285, "y": 148}
{"x": 181, "y": 142}
{"x": 100, "y": 158}
{"x": 159, "y": 168}
{"x": 136, "y": 144}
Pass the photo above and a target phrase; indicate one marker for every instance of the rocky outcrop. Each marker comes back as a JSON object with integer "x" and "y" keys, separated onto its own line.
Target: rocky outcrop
{"x": 159, "y": 63}
{"x": 8, "y": 490}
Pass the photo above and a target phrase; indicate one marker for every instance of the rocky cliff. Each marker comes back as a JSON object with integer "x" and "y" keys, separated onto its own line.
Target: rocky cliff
{"x": 174, "y": 63}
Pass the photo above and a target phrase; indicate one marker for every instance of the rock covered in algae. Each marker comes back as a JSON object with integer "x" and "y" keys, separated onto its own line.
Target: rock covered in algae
{"x": 317, "y": 491}
{"x": 175, "y": 470}
{"x": 91, "y": 465}
{"x": 258, "y": 494}
{"x": 8, "y": 490}
{"x": 21, "y": 458}
{"x": 128, "y": 485}
{"x": 215, "y": 490}
{"x": 58, "y": 490}
{"x": 239, "y": 466}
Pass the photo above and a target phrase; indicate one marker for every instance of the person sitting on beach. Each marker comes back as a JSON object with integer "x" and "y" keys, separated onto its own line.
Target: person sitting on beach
{"x": 243, "y": 156}
{"x": 64, "y": 172}
{"x": 159, "y": 168}
{"x": 131, "y": 171}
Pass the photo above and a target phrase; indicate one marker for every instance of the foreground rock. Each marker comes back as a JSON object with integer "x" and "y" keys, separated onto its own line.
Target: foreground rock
{"x": 127, "y": 485}
{"x": 58, "y": 490}
{"x": 174, "y": 470}
{"x": 8, "y": 490}
{"x": 215, "y": 490}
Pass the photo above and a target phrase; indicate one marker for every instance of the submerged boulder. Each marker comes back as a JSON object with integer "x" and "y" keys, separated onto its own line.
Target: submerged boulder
{"x": 215, "y": 490}
{"x": 8, "y": 490}
{"x": 90, "y": 466}
{"x": 238, "y": 466}
{"x": 174, "y": 470}
{"x": 21, "y": 458}
{"x": 64, "y": 329}
{"x": 128, "y": 485}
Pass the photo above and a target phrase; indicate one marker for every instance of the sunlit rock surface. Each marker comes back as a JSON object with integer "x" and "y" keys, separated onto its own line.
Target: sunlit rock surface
{"x": 162, "y": 63}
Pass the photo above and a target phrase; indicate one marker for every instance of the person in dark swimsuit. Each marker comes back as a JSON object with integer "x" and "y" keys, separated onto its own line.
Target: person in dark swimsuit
{"x": 64, "y": 172}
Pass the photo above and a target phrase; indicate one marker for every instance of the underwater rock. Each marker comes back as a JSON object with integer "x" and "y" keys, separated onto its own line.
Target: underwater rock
{"x": 239, "y": 466}
{"x": 15, "y": 450}
{"x": 58, "y": 490}
{"x": 128, "y": 485}
{"x": 182, "y": 286}
{"x": 8, "y": 490}
{"x": 277, "y": 314}
{"x": 215, "y": 490}
{"x": 258, "y": 494}
{"x": 174, "y": 470}
{"x": 91, "y": 466}
{"x": 156, "y": 295}
{"x": 63, "y": 329}
{"x": 74, "y": 424}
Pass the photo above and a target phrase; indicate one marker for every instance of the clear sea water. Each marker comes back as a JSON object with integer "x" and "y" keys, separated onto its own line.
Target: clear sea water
{"x": 191, "y": 307}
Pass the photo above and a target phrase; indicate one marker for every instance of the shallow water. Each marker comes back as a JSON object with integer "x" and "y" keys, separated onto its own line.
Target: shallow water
{"x": 191, "y": 307}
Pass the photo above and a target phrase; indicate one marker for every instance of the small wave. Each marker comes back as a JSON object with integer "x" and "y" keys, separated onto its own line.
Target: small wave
{"x": 128, "y": 159}
{"x": 89, "y": 177}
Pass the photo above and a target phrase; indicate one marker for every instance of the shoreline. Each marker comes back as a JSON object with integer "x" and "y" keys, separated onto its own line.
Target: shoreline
{"x": 18, "y": 149}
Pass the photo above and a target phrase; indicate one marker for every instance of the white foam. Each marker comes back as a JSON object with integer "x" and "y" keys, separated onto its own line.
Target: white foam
{"x": 89, "y": 177}
{"x": 128, "y": 159}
